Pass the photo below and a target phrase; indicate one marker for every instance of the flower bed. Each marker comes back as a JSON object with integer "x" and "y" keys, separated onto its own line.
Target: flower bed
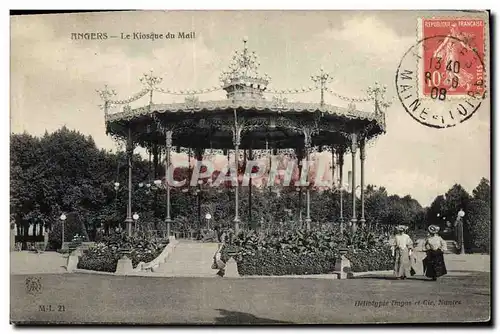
{"x": 379, "y": 258}
{"x": 105, "y": 255}
{"x": 308, "y": 252}
{"x": 284, "y": 263}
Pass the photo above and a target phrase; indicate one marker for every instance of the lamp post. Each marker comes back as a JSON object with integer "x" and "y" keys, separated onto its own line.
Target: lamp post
{"x": 343, "y": 187}
{"x": 208, "y": 216}
{"x": 117, "y": 187}
{"x": 63, "y": 218}
{"x": 156, "y": 185}
{"x": 460, "y": 217}
{"x": 299, "y": 191}
{"x": 135, "y": 217}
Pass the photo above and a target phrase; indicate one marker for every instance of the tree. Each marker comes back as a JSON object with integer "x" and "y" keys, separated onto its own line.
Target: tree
{"x": 456, "y": 199}
{"x": 483, "y": 191}
{"x": 376, "y": 205}
{"x": 27, "y": 183}
{"x": 65, "y": 172}
{"x": 478, "y": 226}
{"x": 436, "y": 211}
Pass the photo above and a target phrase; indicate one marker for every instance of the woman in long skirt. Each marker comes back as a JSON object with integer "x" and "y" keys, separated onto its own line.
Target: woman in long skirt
{"x": 435, "y": 246}
{"x": 401, "y": 250}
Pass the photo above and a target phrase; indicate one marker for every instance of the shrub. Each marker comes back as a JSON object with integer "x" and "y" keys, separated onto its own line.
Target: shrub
{"x": 268, "y": 262}
{"x": 299, "y": 252}
{"x": 105, "y": 255}
{"x": 295, "y": 241}
{"x": 100, "y": 258}
{"x": 378, "y": 258}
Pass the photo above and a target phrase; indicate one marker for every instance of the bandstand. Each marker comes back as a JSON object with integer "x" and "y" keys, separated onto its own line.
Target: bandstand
{"x": 254, "y": 119}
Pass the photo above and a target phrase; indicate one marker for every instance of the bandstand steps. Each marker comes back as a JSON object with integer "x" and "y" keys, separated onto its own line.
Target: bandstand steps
{"x": 190, "y": 259}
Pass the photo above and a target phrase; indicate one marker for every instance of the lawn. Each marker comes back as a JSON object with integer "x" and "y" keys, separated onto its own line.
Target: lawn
{"x": 82, "y": 298}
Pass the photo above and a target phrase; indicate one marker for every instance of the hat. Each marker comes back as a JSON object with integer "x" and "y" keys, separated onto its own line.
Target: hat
{"x": 401, "y": 228}
{"x": 433, "y": 229}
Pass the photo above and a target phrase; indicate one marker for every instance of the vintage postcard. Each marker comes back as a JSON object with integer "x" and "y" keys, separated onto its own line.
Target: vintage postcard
{"x": 250, "y": 167}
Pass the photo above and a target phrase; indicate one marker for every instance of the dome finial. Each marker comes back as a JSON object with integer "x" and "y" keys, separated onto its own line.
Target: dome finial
{"x": 245, "y": 40}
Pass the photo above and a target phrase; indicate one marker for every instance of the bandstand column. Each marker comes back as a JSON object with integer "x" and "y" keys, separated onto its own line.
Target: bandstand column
{"x": 333, "y": 165}
{"x": 252, "y": 225}
{"x": 333, "y": 180}
{"x": 168, "y": 142}
{"x": 236, "y": 143}
{"x": 340, "y": 161}
{"x": 362, "y": 180}
{"x": 130, "y": 152}
{"x": 307, "y": 151}
{"x": 199, "y": 158}
{"x": 155, "y": 161}
{"x": 300, "y": 156}
{"x": 354, "y": 146}
{"x": 150, "y": 170}
{"x": 155, "y": 177}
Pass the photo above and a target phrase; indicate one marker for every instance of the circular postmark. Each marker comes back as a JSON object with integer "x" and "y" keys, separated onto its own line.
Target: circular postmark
{"x": 440, "y": 81}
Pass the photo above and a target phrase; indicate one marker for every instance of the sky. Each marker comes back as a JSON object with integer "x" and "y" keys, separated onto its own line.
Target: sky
{"x": 54, "y": 78}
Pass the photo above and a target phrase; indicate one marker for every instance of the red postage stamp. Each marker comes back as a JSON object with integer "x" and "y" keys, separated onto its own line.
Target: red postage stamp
{"x": 452, "y": 57}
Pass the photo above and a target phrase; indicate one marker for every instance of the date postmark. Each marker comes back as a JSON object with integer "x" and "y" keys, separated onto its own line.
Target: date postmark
{"x": 440, "y": 80}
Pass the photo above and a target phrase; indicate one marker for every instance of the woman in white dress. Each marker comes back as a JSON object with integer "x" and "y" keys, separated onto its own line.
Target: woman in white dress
{"x": 402, "y": 246}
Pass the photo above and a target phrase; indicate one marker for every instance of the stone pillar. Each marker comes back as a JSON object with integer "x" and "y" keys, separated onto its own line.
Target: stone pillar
{"x": 343, "y": 265}
{"x": 130, "y": 152}
{"x": 45, "y": 237}
{"x": 124, "y": 266}
{"x": 362, "y": 180}
{"x": 236, "y": 143}
{"x": 354, "y": 146}
{"x": 72, "y": 262}
{"x": 168, "y": 143}
{"x": 231, "y": 269}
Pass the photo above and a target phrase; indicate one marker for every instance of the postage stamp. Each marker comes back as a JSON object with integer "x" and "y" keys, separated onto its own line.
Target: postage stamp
{"x": 441, "y": 80}
{"x": 451, "y": 57}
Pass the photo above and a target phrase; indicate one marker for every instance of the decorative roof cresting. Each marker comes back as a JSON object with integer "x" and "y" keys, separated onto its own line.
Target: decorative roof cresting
{"x": 242, "y": 80}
